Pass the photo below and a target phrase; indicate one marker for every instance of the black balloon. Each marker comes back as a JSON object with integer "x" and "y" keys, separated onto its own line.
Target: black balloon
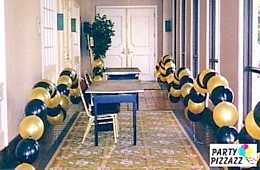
{"x": 63, "y": 89}
{"x": 27, "y": 150}
{"x": 49, "y": 87}
{"x": 36, "y": 107}
{"x": 194, "y": 117}
{"x": 197, "y": 97}
{"x": 186, "y": 79}
{"x": 75, "y": 85}
{"x": 186, "y": 99}
{"x": 97, "y": 71}
{"x": 71, "y": 73}
{"x": 256, "y": 112}
{"x": 169, "y": 70}
{"x": 54, "y": 111}
{"x": 75, "y": 99}
{"x": 174, "y": 99}
{"x": 227, "y": 135}
{"x": 207, "y": 119}
{"x": 206, "y": 78}
{"x": 221, "y": 93}
{"x": 244, "y": 137}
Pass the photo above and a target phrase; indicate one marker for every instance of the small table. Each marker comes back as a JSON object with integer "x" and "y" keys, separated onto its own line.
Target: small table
{"x": 122, "y": 73}
{"x": 111, "y": 91}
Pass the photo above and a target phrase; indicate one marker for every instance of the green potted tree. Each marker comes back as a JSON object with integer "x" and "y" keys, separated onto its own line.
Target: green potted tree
{"x": 101, "y": 32}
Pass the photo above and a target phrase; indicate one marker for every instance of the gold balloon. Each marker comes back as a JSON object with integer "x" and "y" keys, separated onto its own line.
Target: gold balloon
{"x": 164, "y": 58}
{"x": 175, "y": 79}
{"x": 216, "y": 81}
{"x": 55, "y": 101}
{"x": 170, "y": 78}
{"x": 31, "y": 127}
{"x": 72, "y": 71}
{"x": 203, "y": 73}
{"x": 52, "y": 86}
{"x": 162, "y": 70}
{"x": 64, "y": 79}
{"x": 185, "y": 89}
{"x": 225, "y": 114}
{"x": 175, "y": 92}
{"x": 24, "y": 166}
{"x": 196, "y": 108}
{"x": 64, "y": 102}
{"x": 162, "y": 78}
{"x": 251, "y": 127}
{"x": 56, "y": 120}
{"x": 184, "y": 72}
{"x": 157, "y": 74}
{"x": 41, "y": 94}
{"x": 74, "y": 92}
{"x": 199, "y": 88}
{"x": 97, "y": 78}
{"x": 169, "y": 64}
{"x": 98, "y": 63}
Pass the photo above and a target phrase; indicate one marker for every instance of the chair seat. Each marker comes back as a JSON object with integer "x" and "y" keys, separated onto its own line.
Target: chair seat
{"x": 107, "y": 108}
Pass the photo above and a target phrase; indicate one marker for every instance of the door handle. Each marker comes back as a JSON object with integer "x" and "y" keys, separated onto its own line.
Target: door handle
{"x": 123, "y": 52}
{"x": 129, "y": 51}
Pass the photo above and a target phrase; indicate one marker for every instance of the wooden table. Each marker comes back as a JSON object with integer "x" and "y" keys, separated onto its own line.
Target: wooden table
{"x": 112, "y": 91}
{"x": 122, "y": 73}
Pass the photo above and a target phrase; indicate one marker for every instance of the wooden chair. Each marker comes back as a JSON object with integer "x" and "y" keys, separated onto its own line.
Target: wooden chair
{"x": 107, "y": 113}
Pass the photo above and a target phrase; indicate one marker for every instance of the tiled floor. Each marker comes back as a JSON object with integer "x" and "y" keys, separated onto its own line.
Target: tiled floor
{"x": 151, "y": 99}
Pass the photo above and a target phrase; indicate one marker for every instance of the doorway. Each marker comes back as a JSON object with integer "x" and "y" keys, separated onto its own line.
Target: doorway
{"x": 134, "y": 43}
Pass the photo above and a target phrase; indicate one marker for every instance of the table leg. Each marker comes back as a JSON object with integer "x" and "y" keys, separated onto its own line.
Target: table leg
{"x": 134, "y": 120}
{"x": 96, "y": 125}
{"x": 137, "y": 101}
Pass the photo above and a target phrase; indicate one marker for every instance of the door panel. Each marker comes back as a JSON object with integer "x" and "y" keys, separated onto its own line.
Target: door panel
{"x": 134, "y": 42}
{"x": 141, "y": 41}
{"x": 116, "y": 55}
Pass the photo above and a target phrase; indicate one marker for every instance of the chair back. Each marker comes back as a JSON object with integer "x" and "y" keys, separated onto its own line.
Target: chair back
{"x": 88, "y": 78}
{"x": 86, "y": 106}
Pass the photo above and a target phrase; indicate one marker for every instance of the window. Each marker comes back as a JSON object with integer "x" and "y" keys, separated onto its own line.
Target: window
{"x": 49, "y": 38}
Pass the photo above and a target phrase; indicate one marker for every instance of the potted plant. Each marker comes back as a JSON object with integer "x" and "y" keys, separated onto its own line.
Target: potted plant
{"x": 101, "y": 32}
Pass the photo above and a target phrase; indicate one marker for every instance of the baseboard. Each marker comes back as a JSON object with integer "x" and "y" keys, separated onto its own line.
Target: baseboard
{"x": 7, "y": 154}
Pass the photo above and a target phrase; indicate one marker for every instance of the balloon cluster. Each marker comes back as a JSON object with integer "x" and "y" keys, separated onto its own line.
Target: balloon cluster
{"x": 98, "y": 68}
{"x": 165, "y": 68}
{"x": 47, "y": 104}
{"x": 224, "y": 115}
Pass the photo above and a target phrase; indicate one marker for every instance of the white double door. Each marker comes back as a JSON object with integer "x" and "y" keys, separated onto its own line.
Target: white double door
{"x": 134, "y": 43}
